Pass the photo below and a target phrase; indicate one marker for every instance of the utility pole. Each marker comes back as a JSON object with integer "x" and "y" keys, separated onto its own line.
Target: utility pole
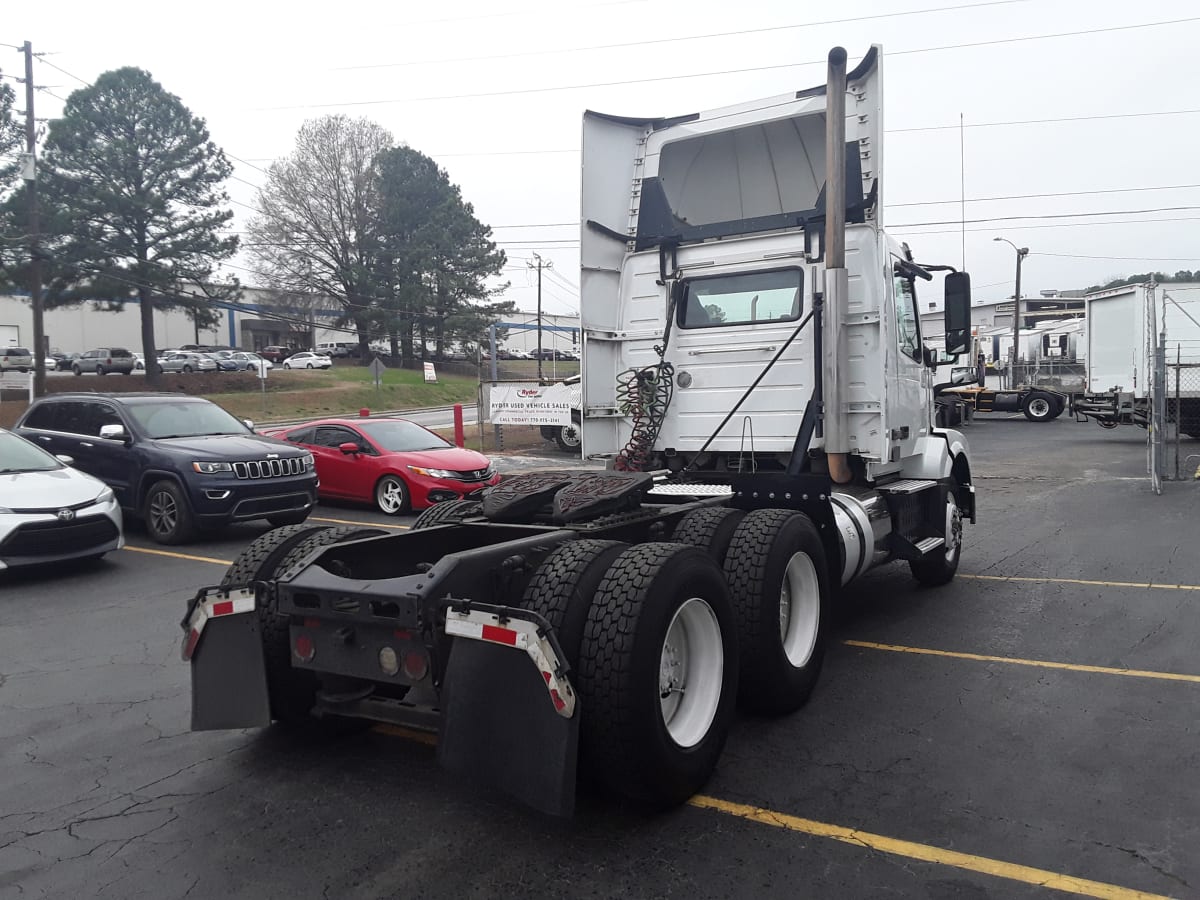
{"x": 1022, "y": 252}
{"x": 29, "y": 173}
{"x": 539, "y": 265}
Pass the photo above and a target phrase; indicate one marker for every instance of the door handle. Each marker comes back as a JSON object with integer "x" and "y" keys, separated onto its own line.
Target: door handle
{"x": 84, "y": 444}
{"x": 766, "y": 348}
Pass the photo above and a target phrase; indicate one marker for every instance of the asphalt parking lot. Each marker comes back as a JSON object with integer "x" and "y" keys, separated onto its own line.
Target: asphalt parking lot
{"x": 1027, "y": 731}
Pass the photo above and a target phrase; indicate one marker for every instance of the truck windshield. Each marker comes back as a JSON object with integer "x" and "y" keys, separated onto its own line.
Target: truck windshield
{"x": 184, "y": 418}
{"x": 742, "y": 299}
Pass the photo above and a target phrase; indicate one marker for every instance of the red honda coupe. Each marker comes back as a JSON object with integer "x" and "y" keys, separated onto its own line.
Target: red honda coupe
{"x": 396, "y": 464}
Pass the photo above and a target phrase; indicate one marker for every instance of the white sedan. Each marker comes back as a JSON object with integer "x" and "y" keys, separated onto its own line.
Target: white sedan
{"x": 307, "y": 360}
{"x": 52, "y": 512}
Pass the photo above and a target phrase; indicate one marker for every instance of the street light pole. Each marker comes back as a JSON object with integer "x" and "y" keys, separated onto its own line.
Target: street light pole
{"x": 1022, "y": 252}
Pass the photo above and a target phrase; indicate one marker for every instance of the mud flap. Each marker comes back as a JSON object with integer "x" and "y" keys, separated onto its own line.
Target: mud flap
{"x": 500, "y": 728}
{"x": 229, "y": 675}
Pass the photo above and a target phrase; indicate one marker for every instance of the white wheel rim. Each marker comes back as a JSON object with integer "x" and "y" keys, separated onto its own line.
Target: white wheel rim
{"x": 570, "y": 435}
{"x": 799, "y": 610}
{"x": 953, "y": 528}
{"x": 1039, "y": 407}
{"x": 391, "y": 495}
{"x": 691, "y": 672}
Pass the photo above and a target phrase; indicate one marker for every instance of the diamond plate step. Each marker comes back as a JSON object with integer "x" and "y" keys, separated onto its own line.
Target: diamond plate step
{"x": 907, "y": 486}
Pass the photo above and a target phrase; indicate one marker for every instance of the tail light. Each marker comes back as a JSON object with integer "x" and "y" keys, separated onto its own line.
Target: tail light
{"x": 304, "y": 648}
{"x": 108, "y": 362}
{"x": 416, "y": 665}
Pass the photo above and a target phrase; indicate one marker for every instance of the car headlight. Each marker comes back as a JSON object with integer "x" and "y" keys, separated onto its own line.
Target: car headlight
{"x": 434, "y": 473}
{"x": 105, "y": 495}
{"x": 212, "y": 468}
{"x": 5, "y": 511}
{"x": 309, "y": 462}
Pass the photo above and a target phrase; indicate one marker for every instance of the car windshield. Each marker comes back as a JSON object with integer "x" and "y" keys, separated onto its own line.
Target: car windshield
{"x": 18, "y": 455}
{"x": 184, "y": 418}
{"x": 399, "y": 436}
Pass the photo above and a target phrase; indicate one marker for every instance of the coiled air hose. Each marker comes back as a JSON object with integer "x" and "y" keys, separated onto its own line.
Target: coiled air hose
{"x": 643, "y": 394}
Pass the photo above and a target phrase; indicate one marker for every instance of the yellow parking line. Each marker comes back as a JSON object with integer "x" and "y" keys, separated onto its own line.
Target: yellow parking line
{"x": 1037, "y": 663}
{"x": 1143, "y": 585}
{"x": 352, "y": 522}
{"x": 411, "y": 734}
{"x": 925, "y": 853}
{"x": 188, "y": 556}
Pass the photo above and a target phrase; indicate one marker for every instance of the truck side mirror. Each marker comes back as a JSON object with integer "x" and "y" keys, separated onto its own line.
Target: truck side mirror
{"x": 958, "y": 313}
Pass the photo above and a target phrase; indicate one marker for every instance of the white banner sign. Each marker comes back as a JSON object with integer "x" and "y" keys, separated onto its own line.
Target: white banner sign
{"x": 430, "y": 374}
{"x": 529, "y": 404}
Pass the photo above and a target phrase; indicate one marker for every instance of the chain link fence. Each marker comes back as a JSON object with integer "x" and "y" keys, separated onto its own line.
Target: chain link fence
{"x": 1175, "y": 443}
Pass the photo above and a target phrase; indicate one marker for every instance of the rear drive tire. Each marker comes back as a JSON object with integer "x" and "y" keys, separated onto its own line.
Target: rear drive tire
{"x": 562, "y": 588}
{"x": 779, "y": 581}
{"x": 941, "y": 568}
{"x": 657, "y": 674}
{"x": 167, "y": 515}
{"x": 450, "y": 512}
{"x": 1039, "y": 407}
{"x": 710, "y": 529}
{"x": 187, "y": 370}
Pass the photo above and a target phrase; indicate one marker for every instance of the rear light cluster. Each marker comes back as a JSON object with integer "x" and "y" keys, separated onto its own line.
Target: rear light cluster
{"x": 412, "y": 661}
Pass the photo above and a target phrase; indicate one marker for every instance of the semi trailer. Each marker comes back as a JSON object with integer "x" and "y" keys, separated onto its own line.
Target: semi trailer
{"x": 755, "y": 378}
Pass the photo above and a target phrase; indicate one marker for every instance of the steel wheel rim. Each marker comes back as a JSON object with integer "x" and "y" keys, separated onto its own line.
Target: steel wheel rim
{"x": 164, "y": 513}
{"x": 390, "y": 495}
{"x": 1039, "y": 407}
{"x": 799, "y": 610}
{"x": 691, "y": 669}
{"x": 570, "y": 435}
{"x": 953, "y": 528}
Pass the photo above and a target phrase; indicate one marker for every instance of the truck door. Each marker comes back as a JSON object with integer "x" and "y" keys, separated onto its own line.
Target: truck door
{"x": 907, "y": 408}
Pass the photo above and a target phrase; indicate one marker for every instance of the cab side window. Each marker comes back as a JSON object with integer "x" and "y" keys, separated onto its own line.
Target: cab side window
{"x": 907, "y": 324}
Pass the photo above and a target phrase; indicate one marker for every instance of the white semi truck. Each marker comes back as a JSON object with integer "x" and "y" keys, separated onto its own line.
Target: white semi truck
{"x": 1124, "y": 326}
{"x": 754, "y": 372}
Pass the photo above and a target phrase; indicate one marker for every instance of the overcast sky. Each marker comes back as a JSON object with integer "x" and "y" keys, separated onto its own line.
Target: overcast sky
{"x": 494, "y": 91}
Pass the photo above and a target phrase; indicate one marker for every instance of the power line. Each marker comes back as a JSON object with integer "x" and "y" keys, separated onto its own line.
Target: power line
{"x": 41, "y": 57}
{"x": 1165, "y": 187}
{"x": 1056, "y": 120}
{"x": 671, "y": 40}
{"x": 602, "y": 84}
{"x": 1121, "y": 258}
{"x": 1063, "y": 225}
{"x": 1111, "y": 212}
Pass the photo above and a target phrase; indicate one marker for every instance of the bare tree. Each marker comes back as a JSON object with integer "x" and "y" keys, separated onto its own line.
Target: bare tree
{"x": 313, "y": 232}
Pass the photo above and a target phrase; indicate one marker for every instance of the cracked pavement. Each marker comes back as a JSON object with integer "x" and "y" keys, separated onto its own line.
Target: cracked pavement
{"x": 105, "y": 792}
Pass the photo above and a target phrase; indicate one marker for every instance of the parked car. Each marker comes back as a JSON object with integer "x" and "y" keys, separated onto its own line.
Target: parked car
{"x": 139, "y": 361}
{"x": 65, "y": 362}
{"x": 337, "y": 349}
{"x": 15, "y": 359}
{"x": 307, "y": 360}
{"x": 275, "y": 354}
{"x": 104, "y": 360}
{"x": 180, "y": 463}
{"x": 224, "y": 363}
{"x": 396, "y": 464}
{"x": 187, "y": 361}
{"x": 250, "y": 362}
{"x": 51, "y": 511}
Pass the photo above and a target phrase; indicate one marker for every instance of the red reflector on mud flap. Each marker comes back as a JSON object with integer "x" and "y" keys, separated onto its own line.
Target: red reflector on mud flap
{"x": 192, "y": 639}
{"x": 499, "y": 635}
{"x": 224, "y": 608}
